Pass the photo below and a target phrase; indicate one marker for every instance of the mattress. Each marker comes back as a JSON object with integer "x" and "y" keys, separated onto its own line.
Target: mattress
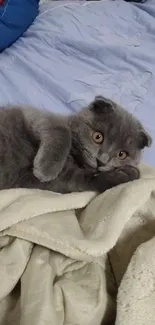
{"x": 75, "y": 51}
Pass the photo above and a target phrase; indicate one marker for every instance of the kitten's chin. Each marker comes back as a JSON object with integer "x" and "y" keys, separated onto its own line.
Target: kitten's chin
{"x": 104, "y": 168}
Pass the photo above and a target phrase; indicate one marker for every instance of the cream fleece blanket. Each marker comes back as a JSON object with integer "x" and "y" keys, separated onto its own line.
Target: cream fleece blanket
{"x": 78, "y": 259}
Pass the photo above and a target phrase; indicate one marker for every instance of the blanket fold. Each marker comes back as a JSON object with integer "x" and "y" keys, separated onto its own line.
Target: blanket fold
{"x": 67, "y": 259}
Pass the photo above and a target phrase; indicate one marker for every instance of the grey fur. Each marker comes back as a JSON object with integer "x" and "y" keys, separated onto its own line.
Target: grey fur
{"x": 46, "y": 151}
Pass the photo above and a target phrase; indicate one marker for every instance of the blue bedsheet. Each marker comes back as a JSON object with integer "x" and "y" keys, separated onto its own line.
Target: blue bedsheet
{"x": 73, "y": 52}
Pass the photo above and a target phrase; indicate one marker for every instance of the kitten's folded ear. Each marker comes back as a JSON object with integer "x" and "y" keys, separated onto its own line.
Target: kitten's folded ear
{"x": 101, "y": 105}
{"x": 145, "y": 139}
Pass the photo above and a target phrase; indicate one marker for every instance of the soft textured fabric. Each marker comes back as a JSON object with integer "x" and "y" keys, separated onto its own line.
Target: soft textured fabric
{"x": 73, "y": 52}
{"x": 63, "y": 258}
{"x": 15, "y": 17}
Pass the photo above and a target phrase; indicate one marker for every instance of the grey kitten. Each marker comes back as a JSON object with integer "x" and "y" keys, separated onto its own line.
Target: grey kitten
{"x": 95, "y": 149}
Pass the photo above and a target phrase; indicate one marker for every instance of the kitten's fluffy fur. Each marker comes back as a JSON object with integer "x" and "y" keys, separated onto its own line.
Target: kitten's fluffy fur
{"x": 46, "y": 151}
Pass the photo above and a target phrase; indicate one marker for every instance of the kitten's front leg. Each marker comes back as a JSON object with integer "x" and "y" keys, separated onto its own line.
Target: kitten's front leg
{"x": 52, "y": 154}
{"x": 109, "y": 179}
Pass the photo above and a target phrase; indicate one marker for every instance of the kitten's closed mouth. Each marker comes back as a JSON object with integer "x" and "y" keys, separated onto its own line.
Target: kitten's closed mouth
{"x": 100, "y": 164}
{"x": 101, "y": 167}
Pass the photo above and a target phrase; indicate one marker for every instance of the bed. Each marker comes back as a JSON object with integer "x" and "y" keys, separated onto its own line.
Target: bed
{"x": 74, "y": 51}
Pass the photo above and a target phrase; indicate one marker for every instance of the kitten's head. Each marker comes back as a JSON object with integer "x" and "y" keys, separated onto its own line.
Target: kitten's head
{"x": 106, "y": 136}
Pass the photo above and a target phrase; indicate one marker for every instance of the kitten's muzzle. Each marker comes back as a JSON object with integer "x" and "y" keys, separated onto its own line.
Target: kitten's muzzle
{"x": 102, "y": 167}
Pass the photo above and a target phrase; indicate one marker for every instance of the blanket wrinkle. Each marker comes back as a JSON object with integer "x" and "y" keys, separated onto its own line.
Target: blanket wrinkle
{"x": 80, "y": 258}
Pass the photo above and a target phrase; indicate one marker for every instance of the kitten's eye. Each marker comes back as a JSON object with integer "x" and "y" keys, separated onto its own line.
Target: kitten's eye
{"x": 122, "y": 154}
{"x": 98, "y": 137}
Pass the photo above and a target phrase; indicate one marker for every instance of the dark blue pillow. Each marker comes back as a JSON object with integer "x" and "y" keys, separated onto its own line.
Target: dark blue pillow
{"x": 15, "y": 17}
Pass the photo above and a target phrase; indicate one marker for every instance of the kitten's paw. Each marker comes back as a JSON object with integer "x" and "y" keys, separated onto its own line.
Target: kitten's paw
{"x": 126, "y": 174}
{"x": 44, "y": 170}
{"x": 45, "y": 175}
{"x": 106, "y": 180}
{"x": 38, "y": 173}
